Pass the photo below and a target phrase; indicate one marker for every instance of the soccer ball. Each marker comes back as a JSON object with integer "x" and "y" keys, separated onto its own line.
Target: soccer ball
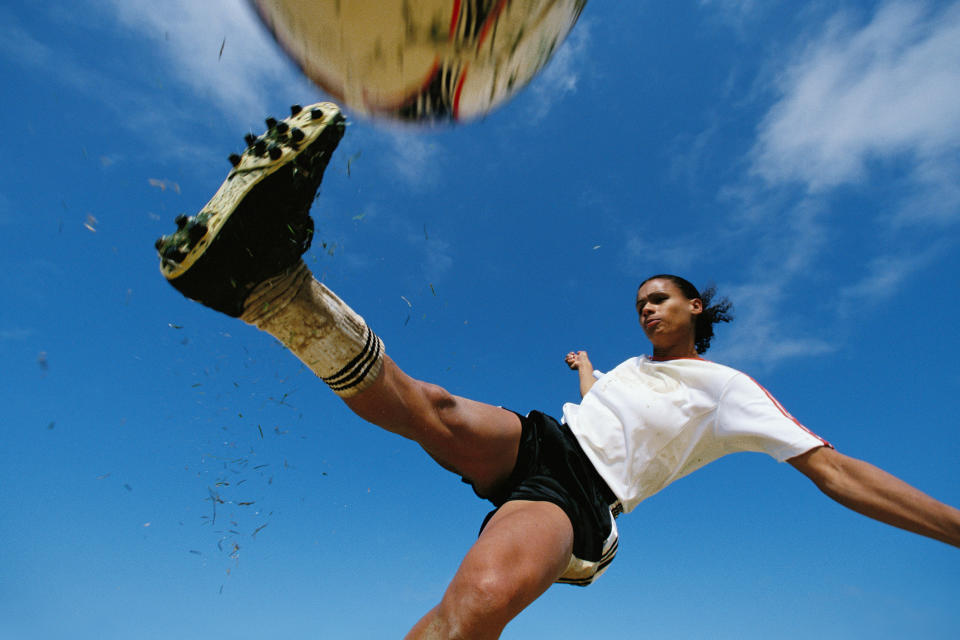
{"x": 420, "y": 60}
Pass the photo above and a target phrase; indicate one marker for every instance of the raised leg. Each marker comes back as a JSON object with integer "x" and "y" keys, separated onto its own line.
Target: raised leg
{"x": 523, "y": 549}
{"x": 476, "y": 440}
{"x": 241, "y": 255}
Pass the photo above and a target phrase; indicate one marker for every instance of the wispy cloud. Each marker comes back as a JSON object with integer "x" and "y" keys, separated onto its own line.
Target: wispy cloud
{"x": 240, "y": 78}
{"x": 180, "y": 45}
{"x": 759, "y": 336}
{"x": 415, "y": 156}
{"x": 886, "y": 91}
{"x": 854, "y": 105}
{"x": 16, "y": 334}
{"x": 20, "y": 47}
{"x": 886, "y": 274}
{"x": 735, "y": 12}
{"x": 561, "y": 76}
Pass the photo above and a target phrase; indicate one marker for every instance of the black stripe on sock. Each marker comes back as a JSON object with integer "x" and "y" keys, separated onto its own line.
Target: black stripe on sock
{"x": 357, "y": 369}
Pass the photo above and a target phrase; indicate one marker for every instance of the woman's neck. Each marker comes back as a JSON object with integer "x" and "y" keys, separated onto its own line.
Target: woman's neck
{"x": 675, "y": 351}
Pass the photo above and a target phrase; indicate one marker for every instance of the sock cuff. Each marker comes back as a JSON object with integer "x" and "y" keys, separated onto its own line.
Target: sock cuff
{"x": 361, "y": 371}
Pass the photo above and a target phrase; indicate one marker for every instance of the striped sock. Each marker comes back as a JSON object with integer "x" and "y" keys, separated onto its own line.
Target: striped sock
{"x": 319, "y": 328}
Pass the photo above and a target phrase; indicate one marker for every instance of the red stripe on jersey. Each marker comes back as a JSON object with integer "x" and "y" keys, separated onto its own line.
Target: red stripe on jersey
{"x": 786, "y": 413}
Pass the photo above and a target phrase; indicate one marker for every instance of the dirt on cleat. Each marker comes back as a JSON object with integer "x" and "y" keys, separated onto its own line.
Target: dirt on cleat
{"x": 257, "y": 225}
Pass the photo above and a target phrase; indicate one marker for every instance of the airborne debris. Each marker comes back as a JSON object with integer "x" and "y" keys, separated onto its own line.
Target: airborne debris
{"x": 91, "y": 223}
{"x": 164, "y": 184}
{"x": 350, "y": 161}
{"x": 222, "y": 45}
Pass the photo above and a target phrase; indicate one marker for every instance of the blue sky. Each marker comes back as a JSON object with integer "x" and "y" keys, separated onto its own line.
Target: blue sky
{"x": 170, "y": 472}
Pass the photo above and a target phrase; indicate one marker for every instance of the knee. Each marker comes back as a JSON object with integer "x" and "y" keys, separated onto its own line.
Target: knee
{"x": 478, "y": 609}
{"x": 436, "y": 396}
{"x": 439, "y": 403}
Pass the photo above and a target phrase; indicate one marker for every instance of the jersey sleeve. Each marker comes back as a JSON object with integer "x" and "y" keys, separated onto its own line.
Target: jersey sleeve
{"x": 750, "y": 419}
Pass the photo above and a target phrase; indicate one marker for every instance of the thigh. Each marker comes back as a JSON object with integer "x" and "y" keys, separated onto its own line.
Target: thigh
{"x": 523, "y": 549}
{"x": 479, "y": 441}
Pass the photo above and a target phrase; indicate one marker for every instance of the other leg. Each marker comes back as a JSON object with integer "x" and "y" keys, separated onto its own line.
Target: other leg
{"x": 523, "y": 549}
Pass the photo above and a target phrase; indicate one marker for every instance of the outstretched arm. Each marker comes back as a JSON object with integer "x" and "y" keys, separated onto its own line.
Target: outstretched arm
{"x": 579, "y": 362}
{"x": 875, "y": 493}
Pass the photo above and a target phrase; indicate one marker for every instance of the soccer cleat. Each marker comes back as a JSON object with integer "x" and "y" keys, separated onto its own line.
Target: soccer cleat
{"x": 257, "y": 225}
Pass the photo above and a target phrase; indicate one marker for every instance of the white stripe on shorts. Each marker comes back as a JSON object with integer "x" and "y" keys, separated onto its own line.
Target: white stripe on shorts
{"x": 583, "y": 572}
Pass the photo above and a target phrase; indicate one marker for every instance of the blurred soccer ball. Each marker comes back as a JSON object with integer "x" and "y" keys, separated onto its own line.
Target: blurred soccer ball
{"x": 420, "y": 60}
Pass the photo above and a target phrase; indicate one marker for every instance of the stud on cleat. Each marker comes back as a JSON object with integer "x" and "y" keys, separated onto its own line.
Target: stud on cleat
{"x": 196, "y": 232}
{"x": 250, "y": 139}
{"x": 257, "y": 225}
{"x": 295, "y": 109}
{"x": 271, "y": 123}
{"x": 173, "y": 254}
{"x": 234, "y": 159}
{"x": 159, "y": 243}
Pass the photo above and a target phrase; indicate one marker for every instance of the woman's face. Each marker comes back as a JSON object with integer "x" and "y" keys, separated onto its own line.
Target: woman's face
{"x": 666, "y": 315}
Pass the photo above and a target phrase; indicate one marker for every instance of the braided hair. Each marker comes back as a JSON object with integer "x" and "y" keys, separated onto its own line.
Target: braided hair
{"x": 718, "y": 311}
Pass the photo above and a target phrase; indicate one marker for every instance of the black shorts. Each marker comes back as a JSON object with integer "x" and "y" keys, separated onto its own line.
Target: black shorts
{"x": 551, "y": 467}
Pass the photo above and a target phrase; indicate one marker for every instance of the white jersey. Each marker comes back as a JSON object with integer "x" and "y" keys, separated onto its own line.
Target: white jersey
{"x": 646, "y": 423}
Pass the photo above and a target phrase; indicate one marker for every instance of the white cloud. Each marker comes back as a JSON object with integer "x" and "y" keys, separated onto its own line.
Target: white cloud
{"x": 758, "y": 335}
{"x": 16, "y": 334}
{"x": 885, "y": 274}
{"x": 735, "y": 12}
{"x": 20, "y": 47}
{"x": 414, "y": 156}
{"x": 641, "y": 255}
{"x": 190, "y": 34}
{"x": 886, "y": 91}
{"x": 180, "y": 40}
{"x": 875, "y": 106}
{"x": 562, "y": 74}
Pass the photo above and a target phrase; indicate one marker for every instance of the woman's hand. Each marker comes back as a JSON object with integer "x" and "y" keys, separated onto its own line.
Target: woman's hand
{"x": 580, "y": 362}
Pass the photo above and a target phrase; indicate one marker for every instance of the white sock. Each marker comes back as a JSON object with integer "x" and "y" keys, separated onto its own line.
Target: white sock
{"x": 319, "y": 328}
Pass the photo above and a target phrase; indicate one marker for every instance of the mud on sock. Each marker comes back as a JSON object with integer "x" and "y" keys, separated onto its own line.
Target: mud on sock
{"x": 319, "y": 328}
